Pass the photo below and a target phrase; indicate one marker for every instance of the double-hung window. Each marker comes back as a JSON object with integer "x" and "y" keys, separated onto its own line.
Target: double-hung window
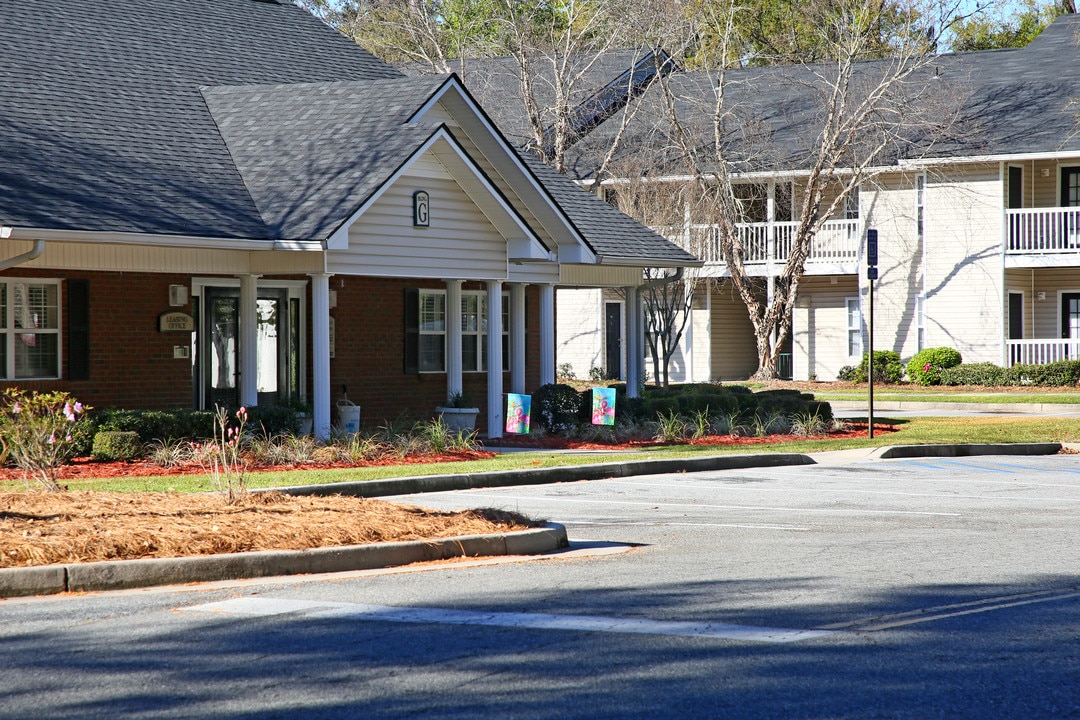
{"x": 30, "y": 325}
{"x": 854, "y": 327}
{"x": 474, "y": 328}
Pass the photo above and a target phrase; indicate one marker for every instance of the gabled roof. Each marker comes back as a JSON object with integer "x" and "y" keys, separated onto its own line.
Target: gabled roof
{"x": 218, "y": 119}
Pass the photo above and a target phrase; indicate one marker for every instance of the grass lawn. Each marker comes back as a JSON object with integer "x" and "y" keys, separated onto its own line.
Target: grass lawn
{"x": 912, "y": 431}
{"x": 829, "y": 391}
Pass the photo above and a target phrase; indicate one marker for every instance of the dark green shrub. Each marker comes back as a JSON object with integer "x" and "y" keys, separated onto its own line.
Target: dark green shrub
{"x": 717, "y": 404}
{"x": 848, "y": 373}
{"x": 659, "y": 406}
{"x": 159, "y": 424}
{"x": 1056, "y": 374}
{"x": 271, "y": 420}
{"x": 112, "y": 445}
{"x": 925, "y": 368}
{"x": 887, "y": 367}
{"x": 555, "y": 407}
{"x": 984, "y": 374}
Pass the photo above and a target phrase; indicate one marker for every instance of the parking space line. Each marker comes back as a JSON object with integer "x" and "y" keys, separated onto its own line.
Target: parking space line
{"x": 948, "y": 464}
{"x": 941, "y": 612}
{"x": 264, "y": 607}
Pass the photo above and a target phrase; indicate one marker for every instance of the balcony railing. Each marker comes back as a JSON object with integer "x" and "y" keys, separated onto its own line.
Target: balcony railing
{"x": 1041, "y": 352}
{"x": 836, "y": 241}
{"x": 1037, "y": 231}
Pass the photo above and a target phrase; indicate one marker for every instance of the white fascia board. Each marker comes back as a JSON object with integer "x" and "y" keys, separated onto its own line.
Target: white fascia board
{"x": 481, "y": 117}
{"x": 180, "y": 241}
{"x": 1004, "y": 157}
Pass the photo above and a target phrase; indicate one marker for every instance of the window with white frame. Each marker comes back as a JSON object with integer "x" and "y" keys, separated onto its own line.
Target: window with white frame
{"x": 432, "y": 331}
{"x": 30, "y": 324}
{"x": 854, "y": 327}
{"x": 474, "y": 326}
{"x": 920, "y": 204}
{"x": 851, "y": 204}
{"x": 920, "y": 320}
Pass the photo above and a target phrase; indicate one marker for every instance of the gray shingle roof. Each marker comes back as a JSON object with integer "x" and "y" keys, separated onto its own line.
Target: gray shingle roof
{"x": 103, "y": 127}
{"x": 311, "y": 154}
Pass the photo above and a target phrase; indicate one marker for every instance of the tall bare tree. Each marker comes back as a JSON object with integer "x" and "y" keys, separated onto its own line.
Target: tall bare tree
{"x": 838, "y": 123}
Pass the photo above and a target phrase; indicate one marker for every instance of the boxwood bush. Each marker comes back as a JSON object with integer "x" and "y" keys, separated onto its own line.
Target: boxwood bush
{"x": 927, "y": 365}
{"x": 887, "y": 368}
{"x": 112, "y": 445}
{"x": 555, "y": 407}
{"x": 985, "y": 374}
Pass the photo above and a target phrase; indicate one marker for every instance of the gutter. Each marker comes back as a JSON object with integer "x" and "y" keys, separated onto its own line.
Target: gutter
{"x": 36, "y": 251}
{"x": 666, "y": 280}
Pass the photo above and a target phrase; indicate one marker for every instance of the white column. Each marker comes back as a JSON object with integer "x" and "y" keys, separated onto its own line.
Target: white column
{"x": 249, "y": 340}
{"x": 517, "y": 338}
{"x": 494, "y": 359}
{"x": 320, "y": 353}
{"x": 453, "y": 338}
{"x": 635, "y": 341}
{"x": 547, "y": 334}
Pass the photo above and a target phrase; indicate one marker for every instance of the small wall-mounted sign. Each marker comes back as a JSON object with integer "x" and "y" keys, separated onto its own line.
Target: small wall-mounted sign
{"x": 176, "y": 322}
{"x": 421, "y": 209}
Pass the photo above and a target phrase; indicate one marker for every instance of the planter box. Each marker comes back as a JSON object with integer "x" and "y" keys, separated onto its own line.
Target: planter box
{"x": 458, "y": 419}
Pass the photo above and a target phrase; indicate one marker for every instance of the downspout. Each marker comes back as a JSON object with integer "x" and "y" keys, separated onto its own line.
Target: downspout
{"x": 38, "y": 249}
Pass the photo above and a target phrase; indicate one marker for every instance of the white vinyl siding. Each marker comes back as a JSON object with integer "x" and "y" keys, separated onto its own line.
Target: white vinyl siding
{"x": 579, "y": 332}
{"x": 460, "y": 242}
{"x": 733, "y": 351}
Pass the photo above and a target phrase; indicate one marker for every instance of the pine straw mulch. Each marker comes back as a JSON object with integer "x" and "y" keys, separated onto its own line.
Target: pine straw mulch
{"x": 40, "y": 528}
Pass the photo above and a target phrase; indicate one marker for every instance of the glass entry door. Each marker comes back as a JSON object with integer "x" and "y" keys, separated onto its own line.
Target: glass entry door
{"x": 220, "y": 347}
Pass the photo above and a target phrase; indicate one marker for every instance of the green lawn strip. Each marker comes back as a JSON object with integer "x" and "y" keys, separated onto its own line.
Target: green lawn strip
{"x": 959, "y": 398}
{"x": 912, "y": 431}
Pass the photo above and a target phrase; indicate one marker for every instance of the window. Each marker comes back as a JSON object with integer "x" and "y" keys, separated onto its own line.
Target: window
{"x": 920, "y": 204}
{"x": 30, "y": 324}
{"x": 432, "y": 331}
{"x": 920, "y": 320}
{"x": 851, "y": 205}
{"x": 854, "y": 327}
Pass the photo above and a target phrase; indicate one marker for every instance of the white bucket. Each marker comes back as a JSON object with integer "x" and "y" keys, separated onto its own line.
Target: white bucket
{"x": 348, "y": 416}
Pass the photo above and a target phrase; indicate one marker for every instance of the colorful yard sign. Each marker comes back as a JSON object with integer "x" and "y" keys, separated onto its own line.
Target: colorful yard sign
{"x": 518, "y": 408}
{"x": 603, "y": 406}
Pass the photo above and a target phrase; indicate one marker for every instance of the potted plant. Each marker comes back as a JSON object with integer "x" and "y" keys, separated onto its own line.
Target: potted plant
{"x": 458, "y": 413}
{"x": 305, "y": 420}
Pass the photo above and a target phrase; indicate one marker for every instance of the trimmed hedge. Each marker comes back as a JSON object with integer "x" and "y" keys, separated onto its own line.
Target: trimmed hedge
{"x": 927, "y": 365}
{"x": 985, "y": 374}
{"x": 112, "y": 445}
{"x": 887, "y": 368}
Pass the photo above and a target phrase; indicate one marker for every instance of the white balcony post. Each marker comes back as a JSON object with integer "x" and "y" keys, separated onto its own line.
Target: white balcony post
{"x": 547, "y": 334}
{"x": 320, "y": 353}
{"x": 454, "y": 383}
{"x": 635, "y": 352}
{"x": 770, "y": 232}
{"x": 249, "y": 340}
{"x": 494, "y": 357}
{"x": 517, "y": 338}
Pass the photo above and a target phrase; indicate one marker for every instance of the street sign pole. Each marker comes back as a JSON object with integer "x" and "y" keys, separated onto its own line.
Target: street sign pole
{"x": 871, "y": 276}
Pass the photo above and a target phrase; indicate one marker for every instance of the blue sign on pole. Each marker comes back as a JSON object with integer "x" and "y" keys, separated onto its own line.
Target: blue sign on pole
{"x": 871, "y": 248}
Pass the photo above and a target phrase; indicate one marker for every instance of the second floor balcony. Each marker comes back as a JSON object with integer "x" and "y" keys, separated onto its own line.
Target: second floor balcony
{"x": 1044, "y": 233}
{"x": 767, "y": 246}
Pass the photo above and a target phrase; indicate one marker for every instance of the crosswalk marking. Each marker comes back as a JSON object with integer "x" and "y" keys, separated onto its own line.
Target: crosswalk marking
{"x": 263, "y": 607}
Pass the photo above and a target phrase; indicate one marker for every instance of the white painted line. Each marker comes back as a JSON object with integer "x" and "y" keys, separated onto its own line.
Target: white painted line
{"x": 661, "y": 523}
{"x": 265, "y": 607}
{"x": 710, "y": 506}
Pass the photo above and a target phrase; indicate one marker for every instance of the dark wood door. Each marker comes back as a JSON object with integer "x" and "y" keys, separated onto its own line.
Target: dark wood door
{"x": 613, "y": 336}
{"x": 1070, "y": 315}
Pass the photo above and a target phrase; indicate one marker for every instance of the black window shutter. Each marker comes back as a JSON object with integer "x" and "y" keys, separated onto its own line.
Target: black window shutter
{"x": 78, "y": 329}
{"x": 412, "y": 331}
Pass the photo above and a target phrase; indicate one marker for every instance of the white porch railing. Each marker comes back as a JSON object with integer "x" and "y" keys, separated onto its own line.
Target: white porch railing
{"x": 1041, "y": 352}
{"x": 765, "y": 242}
{"x": 1043, "y": 230}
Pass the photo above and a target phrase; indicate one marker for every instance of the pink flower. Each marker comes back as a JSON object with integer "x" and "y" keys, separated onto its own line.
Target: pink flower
{"x": 69, "y": 412}
{"x": 16, "y": 408}
{"x": 78, "y": 408}
{"x": 52, "y": 439}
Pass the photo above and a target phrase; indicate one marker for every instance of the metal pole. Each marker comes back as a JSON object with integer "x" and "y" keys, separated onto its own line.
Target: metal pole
{"x": 870, "y": 374}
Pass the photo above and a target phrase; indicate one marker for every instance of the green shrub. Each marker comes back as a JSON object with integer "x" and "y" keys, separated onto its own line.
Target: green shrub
{"x": 555, "y": 407}
{"x": 111, "y": 445}
{"x": 272, "y": 419}
{"x": 926, "y": 367}
{"x": 159, "y": 424}
{"x": 985, "y": 374}
{"x": 1062, "y": 373}
{"x": 38, "y": 431}
{"x": 887, "y": 367}
{"x": 848, "y": 373}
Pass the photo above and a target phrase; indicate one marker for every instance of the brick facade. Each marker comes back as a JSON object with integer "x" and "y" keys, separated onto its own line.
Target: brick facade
{"x": 132, "y": 364}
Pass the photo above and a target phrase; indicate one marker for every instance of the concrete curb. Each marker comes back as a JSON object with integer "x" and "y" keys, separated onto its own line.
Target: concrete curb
{"x": 124, "y": 574}
{"x": 547, "y": 476}
{"x": 915, "y": 451}
{"x": 989, "y": 408}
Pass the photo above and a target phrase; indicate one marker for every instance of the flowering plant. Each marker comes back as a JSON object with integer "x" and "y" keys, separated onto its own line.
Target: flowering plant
{"x": 38, "y": 431}
{"x": 222, "y": 458}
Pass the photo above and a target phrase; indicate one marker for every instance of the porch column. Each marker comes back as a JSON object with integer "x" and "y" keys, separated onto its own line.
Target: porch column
{"x": 454, "y": 382}
{"x": 517, "y": 338}
{"x": 635, "y": 341}
{"x": 249, "y": 340}
{"x": 320, "y": 353}
{"x": 494, "y": 358}
{"x": 547, "y": 334}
